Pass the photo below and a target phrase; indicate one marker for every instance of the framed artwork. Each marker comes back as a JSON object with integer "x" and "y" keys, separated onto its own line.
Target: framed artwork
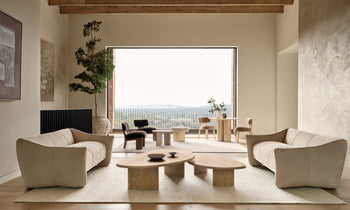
{"x": 10, "y": 57}
{"x": 47, "y": 75}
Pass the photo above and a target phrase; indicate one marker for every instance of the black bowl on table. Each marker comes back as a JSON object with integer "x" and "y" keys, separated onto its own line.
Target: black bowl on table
{"x": 172, "y": 154}
{"x": 156, "y": 156}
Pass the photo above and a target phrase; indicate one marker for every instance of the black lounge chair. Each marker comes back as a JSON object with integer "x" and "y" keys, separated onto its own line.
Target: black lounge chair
{"x": 143, "y": 126}
{"x": 130, "y": 135}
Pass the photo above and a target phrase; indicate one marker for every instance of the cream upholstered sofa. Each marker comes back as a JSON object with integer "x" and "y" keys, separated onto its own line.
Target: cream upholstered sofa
{"x": 299, "y": 158}
{"x": 61, "y": 158}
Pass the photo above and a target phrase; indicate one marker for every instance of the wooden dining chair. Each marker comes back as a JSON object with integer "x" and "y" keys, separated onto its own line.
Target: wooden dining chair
{"x": 248, "y": 128}
{"x": 203, "y": 125}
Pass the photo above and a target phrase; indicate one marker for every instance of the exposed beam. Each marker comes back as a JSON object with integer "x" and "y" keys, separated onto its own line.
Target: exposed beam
{"x": 167, "y": 2}
{"x": 170, "y": 9}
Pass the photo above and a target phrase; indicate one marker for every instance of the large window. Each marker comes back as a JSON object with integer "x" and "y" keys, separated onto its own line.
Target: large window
{"x": 171, "y": 86}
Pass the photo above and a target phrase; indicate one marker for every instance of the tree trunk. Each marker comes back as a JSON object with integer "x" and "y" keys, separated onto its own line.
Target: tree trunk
{"x": 95, "y": 104}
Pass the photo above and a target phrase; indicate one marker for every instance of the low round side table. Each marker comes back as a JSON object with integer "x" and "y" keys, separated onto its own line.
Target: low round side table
{"x": 179, "y": 133}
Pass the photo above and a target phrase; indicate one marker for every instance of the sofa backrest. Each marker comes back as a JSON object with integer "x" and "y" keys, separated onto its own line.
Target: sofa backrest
{"x": 60, "y": 138}
{"x": 300, "y": 138}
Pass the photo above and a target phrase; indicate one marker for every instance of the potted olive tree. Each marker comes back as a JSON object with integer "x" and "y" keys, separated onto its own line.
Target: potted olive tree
{"x": 98, "y": 65}
{"x": 216, "y": 107}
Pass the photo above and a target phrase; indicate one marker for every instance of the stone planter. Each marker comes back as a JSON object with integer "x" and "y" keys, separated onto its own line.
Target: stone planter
{"x": 100, "y": 125}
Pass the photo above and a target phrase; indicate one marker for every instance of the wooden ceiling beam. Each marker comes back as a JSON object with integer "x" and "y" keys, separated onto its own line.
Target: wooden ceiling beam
{"x": 166, "y": 2}
{"x": 170, "y": 9}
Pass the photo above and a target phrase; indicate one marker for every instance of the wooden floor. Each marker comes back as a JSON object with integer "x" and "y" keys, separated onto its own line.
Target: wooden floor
{"x": 11, "y": 190}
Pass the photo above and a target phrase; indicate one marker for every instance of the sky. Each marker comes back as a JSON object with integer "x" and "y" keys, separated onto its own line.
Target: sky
{"x": 185, "y": 77}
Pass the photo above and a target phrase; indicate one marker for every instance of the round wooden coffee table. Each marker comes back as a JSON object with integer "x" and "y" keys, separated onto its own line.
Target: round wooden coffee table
{"x": 223, "y": 168}
{"x": 143, "y": 173}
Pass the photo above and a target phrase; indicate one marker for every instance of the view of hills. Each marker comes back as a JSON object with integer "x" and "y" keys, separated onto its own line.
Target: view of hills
{"x": 156, "y": 106}
{"x": 163, "y": 116}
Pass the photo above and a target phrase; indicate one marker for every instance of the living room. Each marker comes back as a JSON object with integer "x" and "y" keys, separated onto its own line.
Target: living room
{"x": 293, "y": 72}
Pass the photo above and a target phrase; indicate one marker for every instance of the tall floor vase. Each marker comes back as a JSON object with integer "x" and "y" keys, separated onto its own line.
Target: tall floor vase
{"x": 100, "y": 125}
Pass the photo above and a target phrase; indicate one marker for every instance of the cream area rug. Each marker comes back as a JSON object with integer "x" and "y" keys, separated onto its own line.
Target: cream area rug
{"x": 191, "y": 144}
{"x": 110, "y": 185}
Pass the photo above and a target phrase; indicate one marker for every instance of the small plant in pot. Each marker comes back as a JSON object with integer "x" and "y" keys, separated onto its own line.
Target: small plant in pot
{"x": 99, "y": 67}
{"x": 216, "y": 107}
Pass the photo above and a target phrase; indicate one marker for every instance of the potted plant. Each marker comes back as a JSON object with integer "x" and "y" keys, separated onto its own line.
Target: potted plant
{"x": 99, "y": 67}
{"x": 216, "y": 107}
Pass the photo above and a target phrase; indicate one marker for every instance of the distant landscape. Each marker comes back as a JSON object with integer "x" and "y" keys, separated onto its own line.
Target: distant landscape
{"x": 163, "y": 116}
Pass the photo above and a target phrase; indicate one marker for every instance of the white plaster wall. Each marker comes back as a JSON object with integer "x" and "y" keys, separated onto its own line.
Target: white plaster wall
{"x": 324, "y": 67}
{"x": 287, "y": 27}
{"x": 20, "y": 118}
{"x": 54, "y": 28}
{"x": 254, "y": 35}
{"x": 287, "y": 91}
{"x": 287, "y": 67}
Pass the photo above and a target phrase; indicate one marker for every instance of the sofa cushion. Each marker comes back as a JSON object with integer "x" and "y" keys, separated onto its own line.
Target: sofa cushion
{"x": 207, "y": 127}
{"x": 264, "y": 152}
{"x": 299, "y": 138}
{"x": 320, "y": 140}
{"x": 95, "y": 152}
{"x": 243, "y": 129}
{"x": 136, "y": 135}
{"x": 59, "y": 138}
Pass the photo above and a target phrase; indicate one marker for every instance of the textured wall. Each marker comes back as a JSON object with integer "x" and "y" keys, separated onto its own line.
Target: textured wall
{"x": 324, "y": 67}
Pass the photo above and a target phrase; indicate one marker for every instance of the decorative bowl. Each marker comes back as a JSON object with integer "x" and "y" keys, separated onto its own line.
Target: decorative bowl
{"x": 172, "y": 154}
{"x": 156, "y": 156}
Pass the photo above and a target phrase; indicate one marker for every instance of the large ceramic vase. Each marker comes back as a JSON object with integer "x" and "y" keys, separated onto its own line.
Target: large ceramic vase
{"x": 100, "y": 125}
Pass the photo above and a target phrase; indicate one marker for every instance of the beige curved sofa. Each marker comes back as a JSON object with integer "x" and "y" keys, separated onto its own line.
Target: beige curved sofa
{"x": 61, "y": 158}
{"x": 299, "y": 158}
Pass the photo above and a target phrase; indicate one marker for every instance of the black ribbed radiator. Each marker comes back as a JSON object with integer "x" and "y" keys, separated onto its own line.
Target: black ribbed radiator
{"x": 53, "y": 120}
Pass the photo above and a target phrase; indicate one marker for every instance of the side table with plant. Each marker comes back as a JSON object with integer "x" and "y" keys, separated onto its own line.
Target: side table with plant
{"x": 98, "y": 70}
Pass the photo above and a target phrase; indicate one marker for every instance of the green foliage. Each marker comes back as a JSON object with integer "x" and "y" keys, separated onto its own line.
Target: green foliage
{"x": 216, "y": 107}
{"x": 91, "y": 26}
{"x": 98, "y": 65}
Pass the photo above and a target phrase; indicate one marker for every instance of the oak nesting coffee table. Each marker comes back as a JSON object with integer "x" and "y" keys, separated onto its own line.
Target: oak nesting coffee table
{"x": 143, "y": 173}
{"x": 223, "y": 168}
{"x": 158, "y": 136}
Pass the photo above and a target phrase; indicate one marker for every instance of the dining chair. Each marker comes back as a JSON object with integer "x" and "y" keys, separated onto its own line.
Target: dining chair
{"x": 204, "y": 125}
{"x": 248, "y": 128}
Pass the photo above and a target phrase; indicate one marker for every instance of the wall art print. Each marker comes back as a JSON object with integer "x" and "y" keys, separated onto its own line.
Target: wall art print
{"x": 10, "y": 57}
{"x": 47, "y": 75}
